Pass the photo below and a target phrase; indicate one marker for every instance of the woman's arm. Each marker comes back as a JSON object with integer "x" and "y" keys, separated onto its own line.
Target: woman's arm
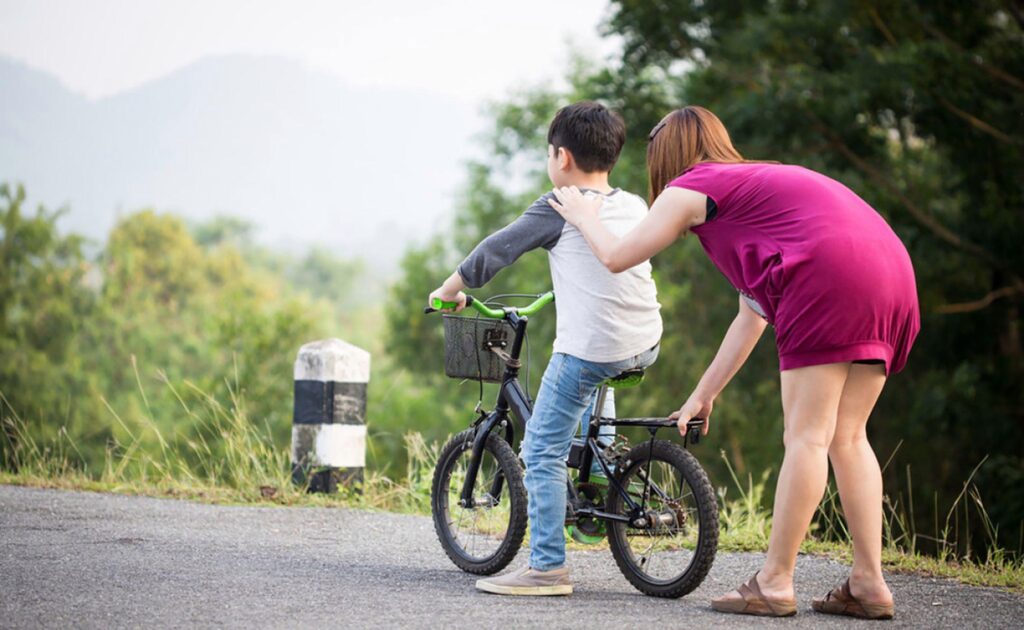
{"x": 737, "y": 345}
{"x": 675, "y": 211}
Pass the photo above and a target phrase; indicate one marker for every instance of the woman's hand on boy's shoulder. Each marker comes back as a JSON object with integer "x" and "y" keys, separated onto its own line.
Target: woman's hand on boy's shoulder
{"x": 574, "y": 206}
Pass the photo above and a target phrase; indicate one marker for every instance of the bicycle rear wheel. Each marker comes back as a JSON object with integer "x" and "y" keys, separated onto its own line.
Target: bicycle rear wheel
{"x": 670, "y": 550}
{"x": 485, "y": 537}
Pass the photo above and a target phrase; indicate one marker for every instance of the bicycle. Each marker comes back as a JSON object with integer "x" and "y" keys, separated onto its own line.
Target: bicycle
{"x": 655, "y": 505}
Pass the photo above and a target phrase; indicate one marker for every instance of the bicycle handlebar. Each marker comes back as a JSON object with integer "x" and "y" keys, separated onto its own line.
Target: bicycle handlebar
{"x": 494, "y": 313}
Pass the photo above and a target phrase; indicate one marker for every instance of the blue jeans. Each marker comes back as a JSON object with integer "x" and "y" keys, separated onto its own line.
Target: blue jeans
{"x": 566, "y": 392}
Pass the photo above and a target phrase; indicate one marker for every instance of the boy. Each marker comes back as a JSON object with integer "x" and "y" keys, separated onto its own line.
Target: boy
{"x": 605, "y": 324}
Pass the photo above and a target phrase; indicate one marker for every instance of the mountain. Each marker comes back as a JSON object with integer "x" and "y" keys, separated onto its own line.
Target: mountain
{"x": 305, "y": 157}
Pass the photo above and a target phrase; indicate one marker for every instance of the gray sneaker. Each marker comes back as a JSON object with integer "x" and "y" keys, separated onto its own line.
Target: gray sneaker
{"x": 527, "y": 581}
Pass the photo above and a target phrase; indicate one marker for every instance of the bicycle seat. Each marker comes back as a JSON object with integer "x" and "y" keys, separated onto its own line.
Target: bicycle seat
{"x": 629, "y": 378}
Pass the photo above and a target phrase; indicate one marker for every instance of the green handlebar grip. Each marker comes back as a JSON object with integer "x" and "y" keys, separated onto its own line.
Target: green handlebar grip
{"x": 438, "y": 304}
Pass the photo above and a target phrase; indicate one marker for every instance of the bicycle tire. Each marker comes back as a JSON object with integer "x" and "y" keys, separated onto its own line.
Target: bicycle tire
{"x": 636, "y": 569}
{"x": 507, "y": 538}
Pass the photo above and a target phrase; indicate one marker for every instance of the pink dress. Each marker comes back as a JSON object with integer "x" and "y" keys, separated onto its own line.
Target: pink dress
{"x": 825, "y": 269}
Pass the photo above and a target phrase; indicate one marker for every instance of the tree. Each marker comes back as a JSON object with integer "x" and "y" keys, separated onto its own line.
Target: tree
{"x": 916, "y": 106}
{"x": 173, "y": 309}
{"x": 43, "y": 304}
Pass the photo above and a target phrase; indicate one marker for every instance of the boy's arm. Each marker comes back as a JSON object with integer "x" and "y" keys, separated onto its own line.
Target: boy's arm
{"x": 539, "y": 226}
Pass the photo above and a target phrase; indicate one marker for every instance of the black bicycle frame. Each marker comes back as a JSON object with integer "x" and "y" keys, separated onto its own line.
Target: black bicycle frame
{"x": 511, "y": 400}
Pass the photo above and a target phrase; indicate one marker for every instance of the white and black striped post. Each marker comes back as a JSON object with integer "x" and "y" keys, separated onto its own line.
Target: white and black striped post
{"x": 329, "y": 420}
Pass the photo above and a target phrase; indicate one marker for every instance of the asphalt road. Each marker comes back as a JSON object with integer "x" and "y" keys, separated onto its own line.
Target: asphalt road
{"x": 72, "y": 559}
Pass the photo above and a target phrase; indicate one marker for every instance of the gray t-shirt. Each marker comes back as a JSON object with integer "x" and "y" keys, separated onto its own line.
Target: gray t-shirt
{"x": 601, "y": 316}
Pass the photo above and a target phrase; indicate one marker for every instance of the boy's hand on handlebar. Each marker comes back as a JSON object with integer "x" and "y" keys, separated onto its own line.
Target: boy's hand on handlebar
{"x": 447, "y": 296}
{"x": 692, "y": 408}
{"x": 450, "y": 291}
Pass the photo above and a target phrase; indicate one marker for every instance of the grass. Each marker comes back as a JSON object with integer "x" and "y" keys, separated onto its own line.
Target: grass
{"x": 746, "y": 526}
{"x": 229, "y": 460}
{"x": 235, "y": 461}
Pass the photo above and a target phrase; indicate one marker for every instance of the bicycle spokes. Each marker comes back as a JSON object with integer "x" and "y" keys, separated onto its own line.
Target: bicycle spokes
{"x": 667, "y": 541}
{"x": 483, "y": 523}
{"x": 481, "y": 534}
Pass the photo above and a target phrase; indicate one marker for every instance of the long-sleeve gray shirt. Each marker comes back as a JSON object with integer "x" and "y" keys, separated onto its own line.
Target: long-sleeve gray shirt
{"x": 602, "y": 317}
{"x": 539, "y": 226}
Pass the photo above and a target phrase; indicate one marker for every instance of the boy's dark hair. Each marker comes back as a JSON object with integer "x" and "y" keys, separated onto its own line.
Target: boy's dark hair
{"x": 590, "y": 131}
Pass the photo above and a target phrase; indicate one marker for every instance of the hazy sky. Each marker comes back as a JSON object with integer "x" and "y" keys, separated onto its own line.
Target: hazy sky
{"x": 472, "y": 50}
{"x": 457, "y": 55}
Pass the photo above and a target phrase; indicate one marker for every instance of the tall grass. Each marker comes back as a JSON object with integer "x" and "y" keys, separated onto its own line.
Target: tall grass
{"x": 952, "y": 539}
{"x": 745, "y": 523}
{"x": 746, "y": 526}
{"x": 221, "y": 456}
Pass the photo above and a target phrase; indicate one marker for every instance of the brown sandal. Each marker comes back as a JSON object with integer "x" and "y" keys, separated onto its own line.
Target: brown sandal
{"x": 754, "y": 603}
{"x": 840, "y": 601}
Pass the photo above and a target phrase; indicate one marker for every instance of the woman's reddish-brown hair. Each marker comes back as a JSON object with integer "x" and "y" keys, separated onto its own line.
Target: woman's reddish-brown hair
{"x": 685, "y": 137}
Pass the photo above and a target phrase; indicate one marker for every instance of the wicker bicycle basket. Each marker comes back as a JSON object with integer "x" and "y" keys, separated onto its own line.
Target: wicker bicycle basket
{"x": 467, "y": 343}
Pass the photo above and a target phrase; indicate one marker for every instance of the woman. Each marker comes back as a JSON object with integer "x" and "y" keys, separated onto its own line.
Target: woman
{"x": 810, "y": 257}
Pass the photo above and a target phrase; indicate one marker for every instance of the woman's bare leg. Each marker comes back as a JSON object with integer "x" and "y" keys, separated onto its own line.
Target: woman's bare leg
{"x": 810, "y": 405}
{"x": 859, "y": 480}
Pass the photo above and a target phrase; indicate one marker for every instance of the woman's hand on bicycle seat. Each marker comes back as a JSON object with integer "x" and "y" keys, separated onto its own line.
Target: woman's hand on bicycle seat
{"x": 693, "y": 408}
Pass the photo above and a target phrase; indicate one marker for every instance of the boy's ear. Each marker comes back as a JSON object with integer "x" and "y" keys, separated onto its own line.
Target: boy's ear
{"x": 565, "y": 159}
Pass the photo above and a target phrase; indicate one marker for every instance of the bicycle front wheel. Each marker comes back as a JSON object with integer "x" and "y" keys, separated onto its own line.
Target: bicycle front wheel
{"x": 668, "y": 547}
{"x": 484, "y": 537}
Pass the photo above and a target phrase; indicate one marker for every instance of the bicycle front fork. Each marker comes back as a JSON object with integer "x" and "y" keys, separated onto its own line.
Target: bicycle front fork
{"x": 483, "y": 431}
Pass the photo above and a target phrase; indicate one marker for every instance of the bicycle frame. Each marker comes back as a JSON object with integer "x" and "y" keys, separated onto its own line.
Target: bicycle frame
{"x": 511, "y": 399}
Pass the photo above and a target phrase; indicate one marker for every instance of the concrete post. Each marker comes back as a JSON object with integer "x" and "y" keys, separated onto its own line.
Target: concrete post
{"x": 329, "y": 420}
